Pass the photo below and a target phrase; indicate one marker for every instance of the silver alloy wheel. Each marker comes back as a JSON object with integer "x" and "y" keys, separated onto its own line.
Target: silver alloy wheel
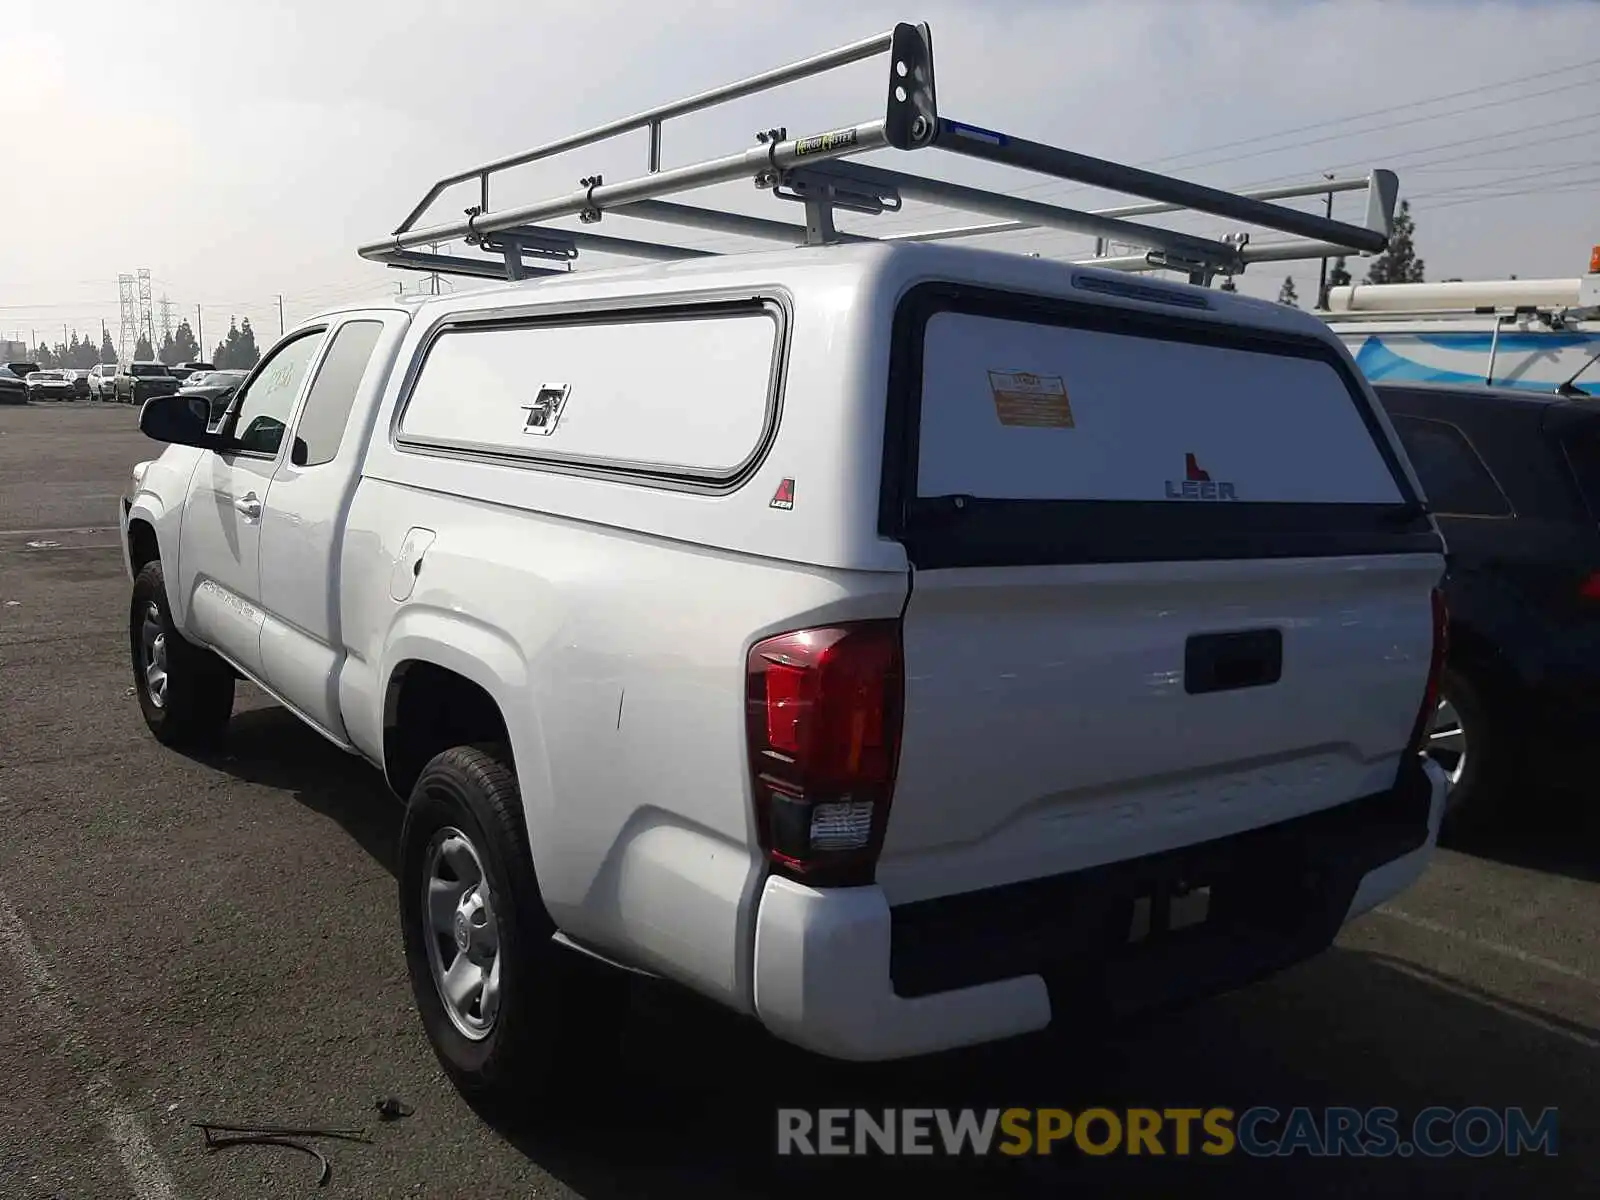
{"x": 153, "y": 655}
{"x": 1447, "y": 742}
{"x": 462, "y": 933}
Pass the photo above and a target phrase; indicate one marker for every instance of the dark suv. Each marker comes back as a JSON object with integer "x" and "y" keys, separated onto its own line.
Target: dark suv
{"x": 1514, "y": 480}
{"x": 139, "y": 381}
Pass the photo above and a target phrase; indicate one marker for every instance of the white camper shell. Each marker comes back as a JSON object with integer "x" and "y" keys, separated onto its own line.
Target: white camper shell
{"x": 904, "y": 645}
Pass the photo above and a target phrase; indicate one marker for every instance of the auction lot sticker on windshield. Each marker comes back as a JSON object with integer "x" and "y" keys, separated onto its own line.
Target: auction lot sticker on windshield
{"x": 1023, "y": 398}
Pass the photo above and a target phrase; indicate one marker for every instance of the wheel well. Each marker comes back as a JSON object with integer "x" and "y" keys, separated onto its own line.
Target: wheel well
{"x": 142, "y": 545}
{"x": 428, "y": 709}
{"x": 1484, "y": 665}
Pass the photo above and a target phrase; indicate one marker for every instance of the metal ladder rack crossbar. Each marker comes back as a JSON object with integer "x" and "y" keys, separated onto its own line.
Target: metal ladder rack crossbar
{"x": 812, "y": 172}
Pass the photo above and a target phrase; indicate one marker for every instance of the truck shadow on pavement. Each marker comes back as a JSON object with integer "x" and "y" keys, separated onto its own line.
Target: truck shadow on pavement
{"x": 693, "y": 1106}
{"x": 1556, "y": 834}
{"x": 270, "y": 747}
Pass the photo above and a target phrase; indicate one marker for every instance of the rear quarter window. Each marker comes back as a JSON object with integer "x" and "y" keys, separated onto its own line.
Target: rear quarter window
{"x": 1455, "y": 479}
{"x": 1582, "y": 450}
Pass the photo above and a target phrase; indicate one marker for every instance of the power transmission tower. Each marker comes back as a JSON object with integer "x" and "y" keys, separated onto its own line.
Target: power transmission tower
{"x": 129, "y": 333}
{"x": 166, "y": 322}
{"x": 146, "y": 317}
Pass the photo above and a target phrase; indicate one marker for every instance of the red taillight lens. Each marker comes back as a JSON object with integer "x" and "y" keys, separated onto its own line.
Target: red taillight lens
{"x": 1589, "y": 589}
{"x": 1430, "y": 696}
{"x": 823, "y": 723}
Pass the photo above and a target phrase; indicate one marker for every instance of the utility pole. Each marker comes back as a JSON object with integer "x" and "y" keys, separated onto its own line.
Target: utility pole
{"x": 1322, "y": 277}
{"x": 280, "y": 314}
{"x": 200, "y": 333}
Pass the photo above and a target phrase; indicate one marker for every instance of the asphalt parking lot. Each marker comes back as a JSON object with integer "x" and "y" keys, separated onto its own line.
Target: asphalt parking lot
{"x": 186, "y": 940}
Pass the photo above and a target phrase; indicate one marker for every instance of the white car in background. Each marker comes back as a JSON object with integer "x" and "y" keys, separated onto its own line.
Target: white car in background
{"x": 101, "y": 380}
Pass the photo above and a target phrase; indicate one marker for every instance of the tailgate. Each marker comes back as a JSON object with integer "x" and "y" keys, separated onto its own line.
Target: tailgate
{"x": 1170, "y": 582}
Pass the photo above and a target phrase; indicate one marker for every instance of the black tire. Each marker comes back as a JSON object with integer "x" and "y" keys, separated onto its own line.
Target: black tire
{"x": 560, "y": 1014}
{"x": 1475, "y": 797}
{"x": 197, "y": 703}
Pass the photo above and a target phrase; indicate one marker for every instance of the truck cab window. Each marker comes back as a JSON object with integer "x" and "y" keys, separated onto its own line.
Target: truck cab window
{"x": 267, "y": 401}
{"x": 327, "y": 407}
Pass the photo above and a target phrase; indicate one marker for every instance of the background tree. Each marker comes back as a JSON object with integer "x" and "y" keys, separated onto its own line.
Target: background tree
{"x": 188, "y": 350}
{"x": 222, "y": 356}
{"x": 108, "y": 352}
{"x": 1228, "y": 285}
{"x": 142, "y": 350}
{"x": 81, "y": 352}
{"x": 246, "y": 353}
{"x": 1287, "y": 294}
{"x": 1399, "y": 263}
{"x": 1338, "y": 276}
{"x": 168, "y": 352}
{"x": 44, "y": 356}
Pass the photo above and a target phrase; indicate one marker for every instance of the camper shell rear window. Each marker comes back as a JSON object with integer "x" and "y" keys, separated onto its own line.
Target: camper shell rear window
{"x": 1027, "y": 430}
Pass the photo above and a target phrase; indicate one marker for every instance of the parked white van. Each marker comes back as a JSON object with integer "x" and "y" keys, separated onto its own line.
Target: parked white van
{"x": 906, "y": 646}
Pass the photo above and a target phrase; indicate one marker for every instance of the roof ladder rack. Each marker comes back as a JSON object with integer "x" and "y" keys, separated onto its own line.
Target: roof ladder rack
{"x": 813, "y": 172}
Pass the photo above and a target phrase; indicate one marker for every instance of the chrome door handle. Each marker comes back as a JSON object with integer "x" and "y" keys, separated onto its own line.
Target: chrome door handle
{"x": 249, "y": 504}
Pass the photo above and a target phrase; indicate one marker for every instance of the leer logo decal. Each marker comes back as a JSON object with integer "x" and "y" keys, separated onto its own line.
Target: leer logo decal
{"x": 784, "y": 496}
{"x": 1197, "y": 484}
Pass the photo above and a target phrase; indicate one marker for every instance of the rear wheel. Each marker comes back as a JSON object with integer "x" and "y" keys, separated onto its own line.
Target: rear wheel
{"x": 514, "y": 1018}
{"x": 185, "y": 692}
{"x": 1470, "y": 748}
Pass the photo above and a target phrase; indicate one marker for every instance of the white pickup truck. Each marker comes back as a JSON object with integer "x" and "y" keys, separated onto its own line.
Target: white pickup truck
{"x": 902, "y": 644}
{"x": 747, "y": 624}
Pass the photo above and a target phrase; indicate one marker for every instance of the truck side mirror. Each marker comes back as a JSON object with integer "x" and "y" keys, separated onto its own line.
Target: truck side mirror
{"x": 180, "y": 421}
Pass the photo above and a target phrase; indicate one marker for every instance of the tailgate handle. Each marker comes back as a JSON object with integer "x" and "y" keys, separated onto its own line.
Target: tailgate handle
{"x": 1223, "y": 662}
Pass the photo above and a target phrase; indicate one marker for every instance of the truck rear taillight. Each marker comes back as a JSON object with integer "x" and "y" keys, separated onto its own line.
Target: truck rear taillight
{"x": 1430, "y": 696}
{"x": 823, "y": 725}
{"x": 1589, "y": 589}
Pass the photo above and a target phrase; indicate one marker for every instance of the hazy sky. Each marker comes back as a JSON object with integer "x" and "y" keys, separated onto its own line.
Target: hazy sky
{"x": 242, "y": 151}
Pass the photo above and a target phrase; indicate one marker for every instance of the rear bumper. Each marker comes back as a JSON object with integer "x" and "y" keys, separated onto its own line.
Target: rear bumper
{"x": 841, "y": 973}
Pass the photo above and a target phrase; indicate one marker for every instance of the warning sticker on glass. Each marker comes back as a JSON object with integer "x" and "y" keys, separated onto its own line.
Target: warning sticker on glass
{"x": 1022, "y": 398}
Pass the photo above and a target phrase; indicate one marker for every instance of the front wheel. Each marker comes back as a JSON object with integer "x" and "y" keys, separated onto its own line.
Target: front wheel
{"x": 185, "y": 692}
{"x": 513, "y": 1017}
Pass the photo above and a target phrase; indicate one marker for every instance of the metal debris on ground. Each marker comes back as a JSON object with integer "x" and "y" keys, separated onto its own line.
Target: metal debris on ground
{"x": 392, "y": 1108}
{"x": 43, "y": 545}
{"x": 221, "y": 1137}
